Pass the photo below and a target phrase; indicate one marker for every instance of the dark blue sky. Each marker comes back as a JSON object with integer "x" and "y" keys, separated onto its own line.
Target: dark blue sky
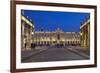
{"x": 51, "y": 20}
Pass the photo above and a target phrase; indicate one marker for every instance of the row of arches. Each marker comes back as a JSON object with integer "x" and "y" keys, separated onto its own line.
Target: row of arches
{"x": 55, "y": 42}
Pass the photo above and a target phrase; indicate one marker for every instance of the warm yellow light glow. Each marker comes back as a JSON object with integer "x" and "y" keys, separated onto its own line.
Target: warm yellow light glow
{"x": 85, "y": 23}
{"x": 26, "y": 20}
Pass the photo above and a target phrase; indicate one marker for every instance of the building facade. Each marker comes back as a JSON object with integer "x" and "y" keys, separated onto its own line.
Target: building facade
{"x": 30, "y": 37}
{"x": 27, "y": 29}
{"x": 85, "y": 34}
{"x": 57, "y": 37}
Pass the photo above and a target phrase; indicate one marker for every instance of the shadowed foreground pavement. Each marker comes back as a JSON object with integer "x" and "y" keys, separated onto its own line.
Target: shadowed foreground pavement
{"x": 55, "y": 54}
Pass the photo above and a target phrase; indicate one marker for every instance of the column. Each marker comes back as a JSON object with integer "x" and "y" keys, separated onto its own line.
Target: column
{"x": 22, "y": 34}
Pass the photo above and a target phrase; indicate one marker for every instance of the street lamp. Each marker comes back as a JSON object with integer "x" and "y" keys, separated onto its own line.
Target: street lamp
{"x": 32, "y": 33}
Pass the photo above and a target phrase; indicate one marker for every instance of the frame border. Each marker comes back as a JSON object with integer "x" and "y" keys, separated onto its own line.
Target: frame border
{"x": 13, "y": 35}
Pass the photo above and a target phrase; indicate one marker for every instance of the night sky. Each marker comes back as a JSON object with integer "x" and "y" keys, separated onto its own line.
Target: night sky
{"x": 51, "y": 20}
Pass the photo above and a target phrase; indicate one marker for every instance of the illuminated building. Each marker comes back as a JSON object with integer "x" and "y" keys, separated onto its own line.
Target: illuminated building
{"x": 57, "y": 37}
{"x": 85, "y": 34}
{"x": 27, "y": 29}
